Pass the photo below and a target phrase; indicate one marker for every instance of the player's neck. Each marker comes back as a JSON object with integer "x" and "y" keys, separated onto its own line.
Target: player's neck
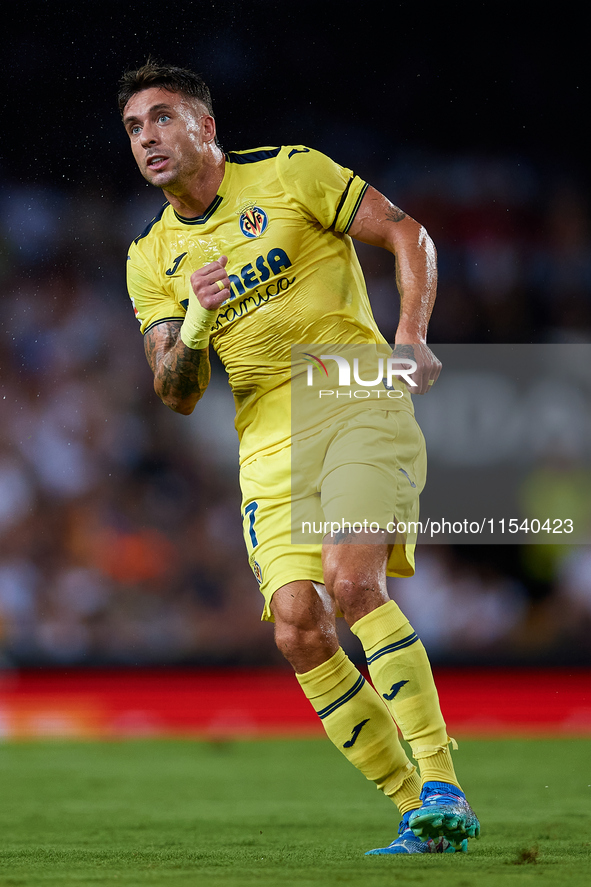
{"x": 193, "y": 199}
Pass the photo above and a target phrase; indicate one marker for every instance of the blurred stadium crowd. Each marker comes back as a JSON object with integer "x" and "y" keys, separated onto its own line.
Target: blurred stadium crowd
{"x": 120, "y": 533}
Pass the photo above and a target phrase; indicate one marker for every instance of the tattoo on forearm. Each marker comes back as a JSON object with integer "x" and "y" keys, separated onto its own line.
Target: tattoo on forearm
{"x": 393, "y": 214}
{"x": 184, "y": 372}
{"x": 180, "y": 372}
{"x": 404, "y": 351}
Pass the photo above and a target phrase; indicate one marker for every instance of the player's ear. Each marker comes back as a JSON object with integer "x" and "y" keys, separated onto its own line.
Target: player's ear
{"x": 209, "y": 128}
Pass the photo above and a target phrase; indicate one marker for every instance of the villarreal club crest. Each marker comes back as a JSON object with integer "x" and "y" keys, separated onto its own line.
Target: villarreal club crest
{"x": 253, "y": 221}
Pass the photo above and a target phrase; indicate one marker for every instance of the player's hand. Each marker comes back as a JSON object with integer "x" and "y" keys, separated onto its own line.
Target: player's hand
{"x": 428, "y": 366}
{"x": 211, "y": 284}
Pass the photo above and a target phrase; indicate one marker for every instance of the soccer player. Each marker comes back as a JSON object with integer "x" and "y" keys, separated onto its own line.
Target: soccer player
{"x": 252, "y": 252}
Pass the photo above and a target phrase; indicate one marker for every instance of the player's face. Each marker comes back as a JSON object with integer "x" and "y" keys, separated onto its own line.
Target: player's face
{"x": 169, "y": 135}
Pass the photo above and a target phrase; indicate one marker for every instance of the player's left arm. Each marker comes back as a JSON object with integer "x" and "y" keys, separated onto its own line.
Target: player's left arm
{"x": 380, "y": 223}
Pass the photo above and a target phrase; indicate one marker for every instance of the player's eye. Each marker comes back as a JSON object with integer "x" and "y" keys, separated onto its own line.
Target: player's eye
{"x": 163, "y": 118}
{"x": 135, "y": 130}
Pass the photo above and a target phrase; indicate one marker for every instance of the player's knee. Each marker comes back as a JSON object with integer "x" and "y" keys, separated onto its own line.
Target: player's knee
{"x": 305, "y": 646}
{"x": 305, "y": 631}
{"x": 347, "y": 589}
{"x": 356, "y": 594}
{"x": 291, "y": 637}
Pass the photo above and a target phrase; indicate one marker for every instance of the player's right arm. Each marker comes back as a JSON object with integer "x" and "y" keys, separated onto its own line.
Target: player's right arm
{"x": 181, "y": 374}
{"x": 178, "y": 350}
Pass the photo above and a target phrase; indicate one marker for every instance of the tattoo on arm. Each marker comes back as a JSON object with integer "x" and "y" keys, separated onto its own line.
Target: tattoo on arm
{"x": 393, "y": 214}
{"x": 342, "y": 536}
{"x": 404, "y": 351}
{"x": 181, "y": 374}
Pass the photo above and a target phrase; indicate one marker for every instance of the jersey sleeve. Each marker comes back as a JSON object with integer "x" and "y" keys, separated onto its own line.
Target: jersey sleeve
{"x": 151, "y": 304}
{"x": 322, "y": 189}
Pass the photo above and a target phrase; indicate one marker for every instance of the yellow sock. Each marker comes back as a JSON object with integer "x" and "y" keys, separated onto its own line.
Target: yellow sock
{"x": 360, "y": 725}
{"x": 401, "y": 673}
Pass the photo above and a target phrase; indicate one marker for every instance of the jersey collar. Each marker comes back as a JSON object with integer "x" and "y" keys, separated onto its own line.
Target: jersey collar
{"x": 215, "y": 203}
{"x": 201, "y": 220}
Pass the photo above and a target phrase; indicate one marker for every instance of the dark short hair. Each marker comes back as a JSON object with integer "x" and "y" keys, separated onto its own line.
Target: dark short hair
{"x": 154, "y": 74}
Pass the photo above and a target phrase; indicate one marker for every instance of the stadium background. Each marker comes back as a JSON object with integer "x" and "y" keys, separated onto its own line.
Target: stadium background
{"x": 120, "y": 533}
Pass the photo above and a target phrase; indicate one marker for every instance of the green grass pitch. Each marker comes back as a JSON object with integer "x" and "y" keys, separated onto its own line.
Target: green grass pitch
{"x": 277, "y": 813}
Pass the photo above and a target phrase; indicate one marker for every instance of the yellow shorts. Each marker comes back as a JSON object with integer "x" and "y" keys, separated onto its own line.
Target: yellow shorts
{"x": 364, "y": 471}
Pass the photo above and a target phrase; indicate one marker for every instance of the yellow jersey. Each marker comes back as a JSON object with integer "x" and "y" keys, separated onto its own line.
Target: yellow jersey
{"x": 281, "y": 215}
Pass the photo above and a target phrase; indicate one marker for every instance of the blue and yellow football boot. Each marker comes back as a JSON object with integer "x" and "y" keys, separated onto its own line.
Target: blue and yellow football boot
{"x": 407, "y": 842}
{"x": 445, "y": 813}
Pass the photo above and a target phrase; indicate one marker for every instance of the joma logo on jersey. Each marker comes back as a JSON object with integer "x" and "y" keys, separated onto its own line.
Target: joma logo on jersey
{"x": 253, "y": 221}
{"x": 175, "y": 265}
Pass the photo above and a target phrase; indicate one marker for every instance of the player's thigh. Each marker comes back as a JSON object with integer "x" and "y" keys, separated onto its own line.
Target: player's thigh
{"x": 374, "y": 472}
{"x": 375, "y": 467}
{"x": 266, "y": 515}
